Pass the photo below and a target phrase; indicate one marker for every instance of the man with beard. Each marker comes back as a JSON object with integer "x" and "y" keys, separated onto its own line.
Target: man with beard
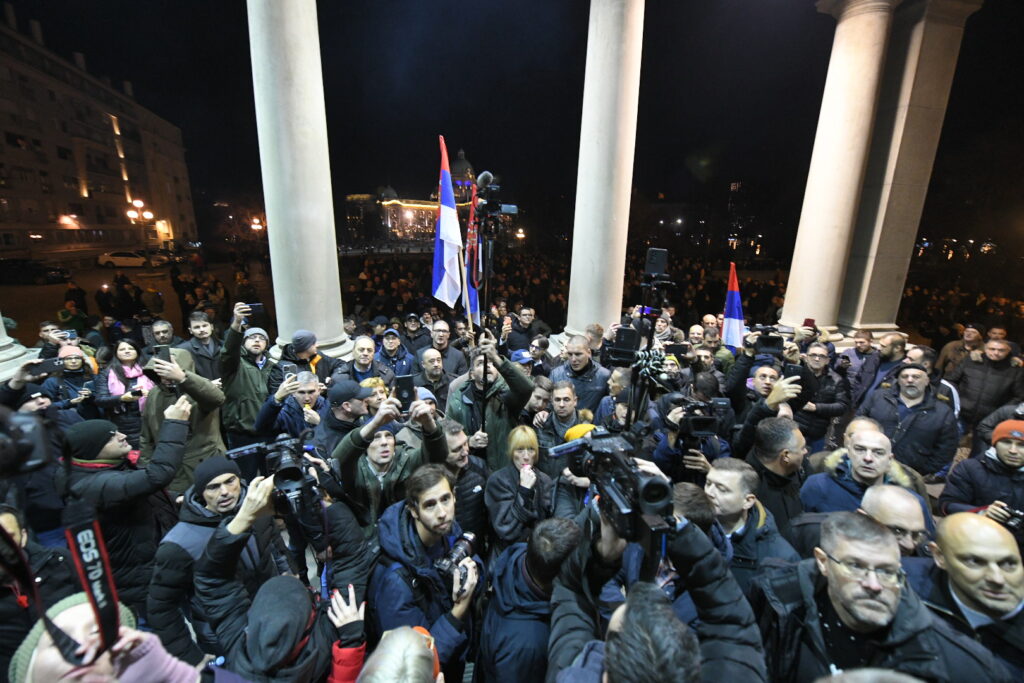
{"x": 348, "y": 406}
{"x": 955, "y": 351}
{"x": 434, "y": 377}
{"x": 848, "y": 608}
{"x": 204, "y": 347}
{"x": 852, "y": 359}
{"x": 245, "y": 371}
{"x": 921, "y": 426}
{"x": 393, "y": 355}
{"x": 976, "y": 584}
{"x": 163, "y": 334}
{"x": 878, "y": 368}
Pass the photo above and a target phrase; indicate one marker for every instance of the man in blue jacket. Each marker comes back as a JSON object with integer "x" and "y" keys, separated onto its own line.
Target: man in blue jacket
{"x": 392, "y": 354}
{"x": 295, "y": 407}
{"x": 406, "y": 588}
{"x": 514, "y": 637}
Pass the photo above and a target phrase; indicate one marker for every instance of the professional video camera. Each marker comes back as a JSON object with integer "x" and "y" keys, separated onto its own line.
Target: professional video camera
{"x": 770, "y": 340}
{"x": 488, "y": 202}
{"x": 295, "y": 492}
{"x": 23, "y": 443}
{"x": 700, "y": 420}
{"x": 635, "y": 502}
{"x": 448, "y": 565}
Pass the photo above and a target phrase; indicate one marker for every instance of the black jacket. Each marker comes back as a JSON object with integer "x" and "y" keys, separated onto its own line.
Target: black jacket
{"x": 170, "y": 590}
{"x": 470, "y": 508}
{"x": 983, "y": 430}
{"x": 207, "y": 360}
{"x": 1004, "y": 639}
{"x": 347, "y": 370}
{"x": 126, "y": 514}
{"x": 864, "y": 379}
{"x": 979, "y": 481}
{"x": 56, "y": 579}
{"x": 832, "y": 399}
{"x": 926, "y": 439}
{"x": 126, "y": 415}
{"x": 779, "y": 494}
{"x": 438, "y": 388}
{"x": 985, "y": 385}
{"x": 416, "y": 342}
{"x": 758, "y": 541}
{"x": 320, "y": 365}
{"x": 513, "y": 509}
{"x": 916, "y": 644}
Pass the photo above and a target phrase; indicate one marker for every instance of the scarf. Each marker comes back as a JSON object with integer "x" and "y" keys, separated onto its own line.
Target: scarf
{"x": 117, "y": 388}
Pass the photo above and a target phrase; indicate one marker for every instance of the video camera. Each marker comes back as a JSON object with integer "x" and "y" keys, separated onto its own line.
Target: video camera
{"x": 770, "y": 340}
{"x": 636, "y": 503}
{"x": 488, "y": 202}
{"x": 23, "y": 443}
{"x": 295, "y": 492}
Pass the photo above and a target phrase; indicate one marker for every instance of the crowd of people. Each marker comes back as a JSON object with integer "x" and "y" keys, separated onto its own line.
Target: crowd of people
{"x": 413, "y": 513}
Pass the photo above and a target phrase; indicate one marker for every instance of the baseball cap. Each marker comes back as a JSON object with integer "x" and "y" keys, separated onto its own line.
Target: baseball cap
{"x": 522, "y": 356}
{"x": 391, "y": 330}
{"x": 347, "y": 390}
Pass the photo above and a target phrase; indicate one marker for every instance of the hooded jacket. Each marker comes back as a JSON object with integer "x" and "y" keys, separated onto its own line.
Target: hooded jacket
{"x": 984, "y": 385}
{"x": 835, "y": 488}
{"x": 204, "y": 439}
{"x": 926, "y": 439}
{"x": 916, "y": 643}
{"x": 121, "y": 494}
{"x": 514, "y": 510}
{"x": 245, "y": 384}
{"x": 979, "y": 481}
{"x": 320, "y": 365}
{"x": 393, "y": 600}
{"x": 758, "y": 541}
{"x": 171, "y": 586}
{"x": 1003, "y": 638}
{"x": 514, "y": 635}
{"x": 503, "y": 402}
{"x": 591, "y": 384}
{"x": 370, "y": 495}
{"x": 260, "y": 636}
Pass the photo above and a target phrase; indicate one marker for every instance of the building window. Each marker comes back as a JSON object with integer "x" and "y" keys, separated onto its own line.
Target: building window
{"x": 63, "y": 153}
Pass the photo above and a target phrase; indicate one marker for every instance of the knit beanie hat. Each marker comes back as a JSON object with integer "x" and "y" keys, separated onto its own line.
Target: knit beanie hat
{"x": 303, "y": 340}
{"x": 256, "y": 330}
{"x": 66, "y": 351}
{"x": 213, "y": 467}
{"x": 22, "y": 659}
{"x": 85, "y": 440}
{"x": 1008, "y": 429}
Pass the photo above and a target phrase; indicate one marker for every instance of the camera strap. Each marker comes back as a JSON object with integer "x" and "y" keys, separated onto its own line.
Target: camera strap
{"x": 92, "y": 564}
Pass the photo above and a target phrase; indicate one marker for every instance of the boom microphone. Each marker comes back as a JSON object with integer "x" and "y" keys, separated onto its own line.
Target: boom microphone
{"x": 484, "y": 179}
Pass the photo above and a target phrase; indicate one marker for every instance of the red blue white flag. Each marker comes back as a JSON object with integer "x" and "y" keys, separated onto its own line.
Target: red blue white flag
{"x": 732, "y": 328}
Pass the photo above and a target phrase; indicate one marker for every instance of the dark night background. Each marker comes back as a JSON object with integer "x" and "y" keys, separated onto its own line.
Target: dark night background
{"x": 730, "y": 90}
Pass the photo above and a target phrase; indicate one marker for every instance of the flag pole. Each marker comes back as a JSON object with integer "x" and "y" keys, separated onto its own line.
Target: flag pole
{"x": 465, "y": 292}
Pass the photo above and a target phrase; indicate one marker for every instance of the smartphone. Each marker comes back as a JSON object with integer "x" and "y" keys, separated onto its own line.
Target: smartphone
{"x": 255, "y": 309}
{"x": 649, "y": 310}
{"x": 405, "y": 391}
{"x": 50, "y": 366}
{"x": 163, "y": 352}
{"x": 809, "y": 322}
{"x": 136, "y": 392}
{"x": 677, "y": 350}
{"x": 792, "y": 370}
{"x": 90, "y": 385}
{"x": 289, "y": 368}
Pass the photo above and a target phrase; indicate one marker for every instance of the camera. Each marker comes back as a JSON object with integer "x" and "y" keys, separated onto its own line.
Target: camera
{"x": 450, "y": 563}
{"x": 23, "y": 443}
{"x": 488, "y": 202}
{"x": 295, "y": 492}
{"x": 769, "y": 341}
{"x": 636, "y": 503}
{"x": 1016, "y": 521}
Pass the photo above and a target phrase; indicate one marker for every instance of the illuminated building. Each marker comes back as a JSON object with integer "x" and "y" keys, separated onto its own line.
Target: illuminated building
{"x": 83, "y": 167}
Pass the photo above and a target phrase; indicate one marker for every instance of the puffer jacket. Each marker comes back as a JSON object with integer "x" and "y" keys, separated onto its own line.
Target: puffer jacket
{"x": 979, "y": 481}
{"x": 916, "y": 643}
{"x": 347, "y": 370}
{"x": 591, "y": 384}
{"x": 204, "y": 439}
{"x": 759, "y": 540}
{"x": 832, "y": 399}
{"x": 121, "y": 494}
{"x": 984, "y": 429}
{"x": 926, "y": 439}
{"x": 244, "y": 382}
{"x": 503, "y": 402}
{"x": 985, "y": 385}
{"x": 320, "y": 365}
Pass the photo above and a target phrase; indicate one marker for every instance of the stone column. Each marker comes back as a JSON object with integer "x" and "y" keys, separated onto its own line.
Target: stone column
{"x": 292, "y": 127}
{"x": 605, "y": 176}
{"x": 816, "y": 275}
{"x": 919, "y": 70}
{"x": 12, "y": 354}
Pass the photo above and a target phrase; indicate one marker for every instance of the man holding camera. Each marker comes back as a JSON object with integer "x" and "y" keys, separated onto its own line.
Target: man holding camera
{"x": 374, "y": 465}
{"x": 427, "y": 575}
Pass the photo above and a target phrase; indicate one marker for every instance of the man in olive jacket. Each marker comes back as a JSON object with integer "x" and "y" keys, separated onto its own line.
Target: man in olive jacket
{"x": 374, "y": 466}
{"x": 490, "y": 410}
{"x": 173, "y": 380}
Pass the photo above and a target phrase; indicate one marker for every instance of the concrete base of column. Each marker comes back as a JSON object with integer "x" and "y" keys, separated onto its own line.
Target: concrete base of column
{"x": 12, "y": 355}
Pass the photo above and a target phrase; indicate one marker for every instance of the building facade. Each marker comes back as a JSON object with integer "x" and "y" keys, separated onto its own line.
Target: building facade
{"x": 83, "y": 167}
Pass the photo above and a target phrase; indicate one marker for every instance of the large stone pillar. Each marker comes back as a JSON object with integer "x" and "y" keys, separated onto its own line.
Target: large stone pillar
{"x": 604, "y": 179}
{"x": 831, "y": 199}
{"x": 12, "y": 354}
{"x": 292, "y": 126}
{"x": 919, "y": 70}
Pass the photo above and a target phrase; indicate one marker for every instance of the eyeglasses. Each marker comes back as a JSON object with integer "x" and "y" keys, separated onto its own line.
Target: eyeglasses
{"x": 817, "y": 355}
{"x": 915, "y": 536}
{"x": 858, "y": 572}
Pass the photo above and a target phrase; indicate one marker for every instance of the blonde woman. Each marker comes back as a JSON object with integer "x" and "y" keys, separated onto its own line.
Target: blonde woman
{"x": 518, "y": 496}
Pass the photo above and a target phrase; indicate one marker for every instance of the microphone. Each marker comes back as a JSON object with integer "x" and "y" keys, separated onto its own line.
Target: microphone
{"x": 484, "y": 179}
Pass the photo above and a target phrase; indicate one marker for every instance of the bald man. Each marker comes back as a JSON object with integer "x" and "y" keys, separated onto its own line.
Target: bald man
{"x": 976, "y": 584}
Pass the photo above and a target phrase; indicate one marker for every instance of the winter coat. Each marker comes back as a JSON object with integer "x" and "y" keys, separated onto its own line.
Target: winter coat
{"x": 780, "y": 495}
{"x": 67, "y": 386}
{"x": 758, "y": 541}
{"x": 591, "y": 384}
{"x": 470, "y": 507}
{"x": 330, "y": 432}
{"x": 416, "y": 342}
{"x": 504, "y": 400}
{"x": 377, "y": 369}
{"x": 514, "y": 637}
{"x": 977, "y": 482}
{"x": 1004, "y": 639}
{"x": 406, "y": 589}
{"x": 453, "y": 360}
{"x": 55, "y": 578}
{"x": 926, "y": 439}
{"x": 786, "y": 602}
{"x": 204, "y": 438}
{"x": 207, "y": 360}
{"x": 125, "y": 414}
{"x": 861, "y": 382}
{"x": 513, "y": 509}
{"x": 520, "y": 337}
{"x": 399, "y": 364}
{"x": 320, "y": 365}
{"x": 170, "y": 589}
{"x": 985, "y": 385}
{"x": 244, "y": 382}
{"x": 369, "y": 495}
{"x": 121, "y": 494}
{"x": 548, "y": 437}
{"x": 983, "y": 430}
{"x": 832, "y": 399}
{"x": 287, "y": 417}
{"x": 438, "y": 388}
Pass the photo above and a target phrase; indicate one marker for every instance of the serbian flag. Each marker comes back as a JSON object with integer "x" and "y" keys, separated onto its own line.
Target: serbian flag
{"x": 732, "y": 328}
{"x": 447, "y": 283}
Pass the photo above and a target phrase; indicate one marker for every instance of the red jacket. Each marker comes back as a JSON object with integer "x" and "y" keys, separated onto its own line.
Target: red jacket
{"x": 346, "y": 663}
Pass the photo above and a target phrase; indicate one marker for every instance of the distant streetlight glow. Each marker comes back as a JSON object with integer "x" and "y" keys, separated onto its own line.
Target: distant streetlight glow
{"x": 148, "y": 215}
{"x": 138, "y": 203}
{"x": 133, "y": 214}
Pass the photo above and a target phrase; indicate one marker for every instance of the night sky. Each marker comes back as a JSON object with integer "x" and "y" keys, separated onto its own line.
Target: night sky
{"x": 730, "y": 90}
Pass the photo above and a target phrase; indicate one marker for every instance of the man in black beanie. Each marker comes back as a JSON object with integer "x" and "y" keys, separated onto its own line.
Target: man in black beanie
{"x": 216, "y": 494}
{"x": 123, "y": 494}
